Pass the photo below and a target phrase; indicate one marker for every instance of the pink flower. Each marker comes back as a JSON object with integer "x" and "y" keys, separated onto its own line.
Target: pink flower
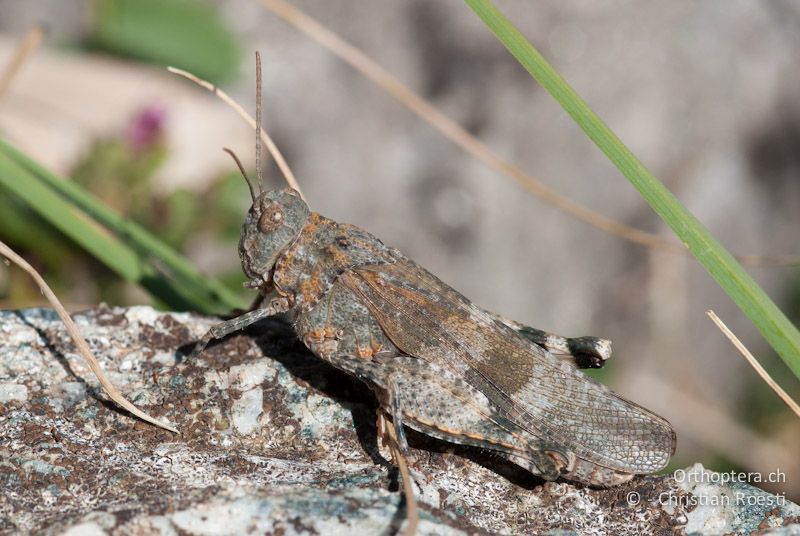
{"x": 146, "y": 128}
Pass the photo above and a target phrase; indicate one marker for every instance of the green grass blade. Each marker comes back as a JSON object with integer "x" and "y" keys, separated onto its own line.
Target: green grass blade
{"x": 51, "y": 207}
{"x": 132, "y": 252}
{"x": 185, "y": 33}
{"x": 781, "y": 334}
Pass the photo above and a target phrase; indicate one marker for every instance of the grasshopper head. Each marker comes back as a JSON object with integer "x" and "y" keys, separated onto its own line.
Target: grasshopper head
{"x": 273, "y": 222}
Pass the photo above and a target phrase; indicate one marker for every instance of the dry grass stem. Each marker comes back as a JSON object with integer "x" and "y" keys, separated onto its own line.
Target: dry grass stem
{"x": 27, "y": 47}
{"x": 271, "y": 147}
{"x": 783, "y": 395}
{"x": 458, "y": 135}
{"x": 83, "y": 348}
{"x": 412, "y": 514}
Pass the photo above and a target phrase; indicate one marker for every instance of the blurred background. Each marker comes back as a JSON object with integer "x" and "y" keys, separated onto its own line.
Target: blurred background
{"x": 706, "y": 94}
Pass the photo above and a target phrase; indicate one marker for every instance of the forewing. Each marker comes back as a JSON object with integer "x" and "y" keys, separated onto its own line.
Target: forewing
{"x": 549, "y": 399}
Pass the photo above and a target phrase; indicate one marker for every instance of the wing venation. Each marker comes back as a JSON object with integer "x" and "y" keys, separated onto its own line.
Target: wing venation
{"x": 546, "y": 397}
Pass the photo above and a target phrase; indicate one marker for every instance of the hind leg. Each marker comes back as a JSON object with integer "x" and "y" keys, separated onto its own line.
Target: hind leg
{"x": 432, "y": 400}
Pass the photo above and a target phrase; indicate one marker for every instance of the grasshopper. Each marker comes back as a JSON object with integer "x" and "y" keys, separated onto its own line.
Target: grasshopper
{"x": 438, "y": 363}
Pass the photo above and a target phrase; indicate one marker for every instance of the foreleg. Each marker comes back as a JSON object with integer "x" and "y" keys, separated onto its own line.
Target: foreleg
{"x": 275, "y": 306}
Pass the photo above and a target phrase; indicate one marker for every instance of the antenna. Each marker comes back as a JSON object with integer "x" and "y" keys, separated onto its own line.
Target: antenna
{"x": 276, "y": 154}
{"x": 241, "y": 170}
{"x": 258, "y": 122}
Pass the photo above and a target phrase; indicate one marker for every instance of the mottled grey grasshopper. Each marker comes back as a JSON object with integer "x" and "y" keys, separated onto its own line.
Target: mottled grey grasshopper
{"x": 438, "y": 363}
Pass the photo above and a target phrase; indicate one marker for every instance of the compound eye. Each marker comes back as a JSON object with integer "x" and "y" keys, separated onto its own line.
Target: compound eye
{"x": 271, "y": 219}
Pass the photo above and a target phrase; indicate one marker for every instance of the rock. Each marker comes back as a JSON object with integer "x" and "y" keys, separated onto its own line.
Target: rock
{"x": 275, "y": 441}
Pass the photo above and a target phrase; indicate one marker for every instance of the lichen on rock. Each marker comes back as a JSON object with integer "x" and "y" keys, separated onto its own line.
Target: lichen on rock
{"x": 272, "y": 441}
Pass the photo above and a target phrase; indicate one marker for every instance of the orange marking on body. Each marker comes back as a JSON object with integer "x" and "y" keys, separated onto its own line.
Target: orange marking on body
{"x": 310, "y": 289}
{"x": 451, "y": 431}
{"x": 473, "y": 436}
{"x": 314, "y": 335}
{"x": 557, "y": 458}
{"x": 364, "y": 353}
{"x": 503, "y": 444}
{"x": 455, "y": 432}
{"x": 312, "y": 223}
{"x": 594, "y": 472}
{"x": 306, "y": 234}
{"x": 338, "y": 256}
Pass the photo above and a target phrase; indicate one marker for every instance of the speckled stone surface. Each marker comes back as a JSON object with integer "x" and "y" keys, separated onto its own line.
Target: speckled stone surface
{"x": 274, "y": 441}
